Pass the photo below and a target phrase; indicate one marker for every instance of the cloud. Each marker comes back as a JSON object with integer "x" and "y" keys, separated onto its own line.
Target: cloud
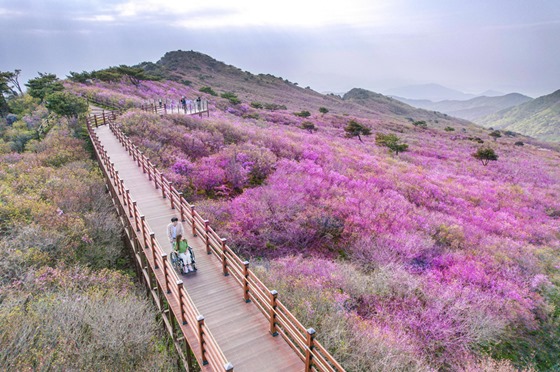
{"x": 212, "y": 14}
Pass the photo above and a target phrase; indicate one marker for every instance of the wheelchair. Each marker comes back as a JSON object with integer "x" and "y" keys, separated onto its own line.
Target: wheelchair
{"x": 182, "y": 267}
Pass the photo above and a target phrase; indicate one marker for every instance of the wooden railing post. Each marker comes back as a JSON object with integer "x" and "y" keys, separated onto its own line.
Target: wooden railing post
{"x": 171, "y": 196}
{"x": 121, "y": 187}
{"x": 272, "y": 313}
{"x": 181, "y": 206}
{"x": 224, "y": 258}
{"x": 135, "y": 215}
{"x": 129, "y": 203}
{"x": 165, "y": 273}
{"x": 153, "y": 246}
{"x": 200, "y": 320}
{"x": 207, "y": 234}
{"x": 246, "y": 281}
{"x": 95, "y": 119}
{"x": 179, "y": 288}
{"x": 142, "y": 220}
{"x": 193, "y": 221}
{"x": 309, "y": 349}
{"x": 104, "y": 119}
{"x": 162, "y": 186}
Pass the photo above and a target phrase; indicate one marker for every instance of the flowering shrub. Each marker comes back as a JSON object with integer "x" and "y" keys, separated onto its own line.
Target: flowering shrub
{"x": 430, "y": 257}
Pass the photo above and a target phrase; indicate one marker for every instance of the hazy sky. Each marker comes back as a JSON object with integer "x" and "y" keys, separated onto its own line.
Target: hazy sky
{"x": 472, "y": 46}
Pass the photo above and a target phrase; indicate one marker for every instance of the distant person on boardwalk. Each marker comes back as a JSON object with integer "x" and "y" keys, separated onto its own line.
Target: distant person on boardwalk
{"x": 184, "y": 103}
{"x": 174, "y": 229}
{"x": 181, "y": 246}
{"x": 160, "y": 103}
{"x": 198, "y": 102}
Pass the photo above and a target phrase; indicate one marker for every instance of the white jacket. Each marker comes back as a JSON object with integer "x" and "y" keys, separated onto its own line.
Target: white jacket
{"x": 178, "y": 231}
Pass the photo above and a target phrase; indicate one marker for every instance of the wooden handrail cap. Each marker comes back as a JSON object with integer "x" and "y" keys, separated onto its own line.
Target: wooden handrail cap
{"x": 228, "y": 366}
{"x": 274, "y": 292}
{"x": 311, "y": 331}
{"x": 164, "y": 255}
{"x": 200, "y": 317}
{"x": 179, "y": 282}
{"x": 245, "y": 263}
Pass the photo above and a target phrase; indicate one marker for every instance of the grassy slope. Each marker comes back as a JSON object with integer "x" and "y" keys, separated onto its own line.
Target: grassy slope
{"x": 539, "y": 118}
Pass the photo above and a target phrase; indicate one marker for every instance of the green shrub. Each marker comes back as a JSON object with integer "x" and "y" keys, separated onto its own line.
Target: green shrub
{"x": 519, "y": 143}
{"x": 355, "y": 129}
{"x": 308, "y": 126}
{"x": 208, "y": 90}
{"x": 420, "y": 123}
{"x": 391, "y": 141}
{"x": 495, "y": 134}
{"x": 323, "y": 110}
{"x": 274, "y": 106}
{"x": 257, "y": 105}
{"x": 303, "y": 114}
{"x": 231, "y": 97}
{"x": 449, "y": 129}
{"x": 485, "y": 155}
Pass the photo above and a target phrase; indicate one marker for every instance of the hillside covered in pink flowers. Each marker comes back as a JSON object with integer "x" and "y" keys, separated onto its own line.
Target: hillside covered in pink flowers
{"x": 417, "y": 260}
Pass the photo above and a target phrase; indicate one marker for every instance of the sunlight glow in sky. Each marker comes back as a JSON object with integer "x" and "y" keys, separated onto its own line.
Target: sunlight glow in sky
{"x": 504, "y": 45}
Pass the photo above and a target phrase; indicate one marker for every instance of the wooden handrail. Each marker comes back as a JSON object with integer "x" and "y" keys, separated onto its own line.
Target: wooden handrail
{"x": 282, "y": 321}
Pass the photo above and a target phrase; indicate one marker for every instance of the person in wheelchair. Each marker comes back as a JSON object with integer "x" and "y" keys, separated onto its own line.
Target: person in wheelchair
{"x": 181, "y": 246}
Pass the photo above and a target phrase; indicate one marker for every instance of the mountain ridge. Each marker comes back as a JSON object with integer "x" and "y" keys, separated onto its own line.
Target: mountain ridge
{"x": 539, "y": 118}
{"x": 473, "y": 108}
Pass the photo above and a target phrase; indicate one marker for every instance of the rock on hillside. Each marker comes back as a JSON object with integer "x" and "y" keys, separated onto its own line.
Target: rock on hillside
{"x": 473, "y": 108}
{"x": 539, "y": 118}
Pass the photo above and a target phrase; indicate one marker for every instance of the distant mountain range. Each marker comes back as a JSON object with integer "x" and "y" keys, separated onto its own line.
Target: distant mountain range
{"x": 471, "y": 109}
{"x": 430, "y": 92}
{"x": 539, "y": 118}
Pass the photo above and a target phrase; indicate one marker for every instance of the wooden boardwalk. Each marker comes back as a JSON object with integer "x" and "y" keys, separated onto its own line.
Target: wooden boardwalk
{"x": 239, "y": 328}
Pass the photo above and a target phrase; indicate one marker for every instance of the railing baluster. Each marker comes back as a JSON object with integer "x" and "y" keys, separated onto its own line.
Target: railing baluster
{"x": 181, "y": 206}
{"x": 200, "y": 320}
{"x": 165, "y": 273}
{"x": 246, "y": 281}
{"x": 207, "y": 235}
{"x": 179, "y": 289}
{"x": 309, "y": 349}
{"x": 153, "y": 247}
{"x": 224, "y": 260}
{"x": 193, "y": 221}
{"x": 272, "y": 313}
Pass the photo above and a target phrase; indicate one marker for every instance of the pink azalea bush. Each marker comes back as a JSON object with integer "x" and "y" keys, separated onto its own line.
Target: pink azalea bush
{"x": 446, "y": 260}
